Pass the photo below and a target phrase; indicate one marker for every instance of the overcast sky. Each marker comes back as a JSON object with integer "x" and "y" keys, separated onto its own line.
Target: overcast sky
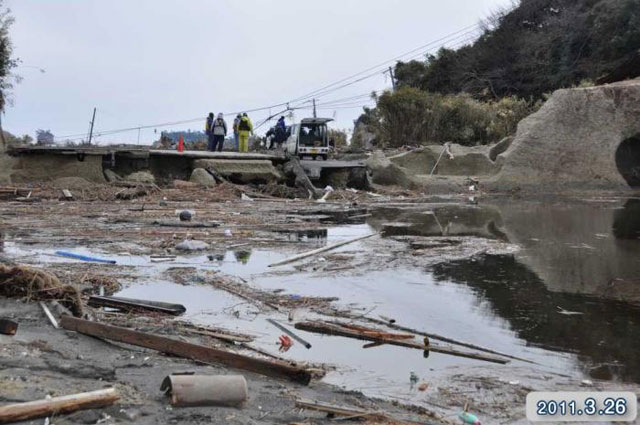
{"x": 149, "y": 62}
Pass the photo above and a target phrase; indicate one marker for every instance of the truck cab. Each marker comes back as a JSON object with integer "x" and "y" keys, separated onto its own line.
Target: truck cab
{"x": 309, "y": 138}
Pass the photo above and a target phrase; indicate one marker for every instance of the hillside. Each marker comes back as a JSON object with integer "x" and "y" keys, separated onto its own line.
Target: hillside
{"x": 533, "y": 48}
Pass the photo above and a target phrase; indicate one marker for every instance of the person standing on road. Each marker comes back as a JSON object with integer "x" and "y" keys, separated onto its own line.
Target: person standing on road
{"x": 236, "y": 123}
{"x": 280, "y": 132}
{"x": 219, "y": 131}
{"x": 281, "y": 124}
{"x": 208, "y": 131}
{"x": 245, "y": 128}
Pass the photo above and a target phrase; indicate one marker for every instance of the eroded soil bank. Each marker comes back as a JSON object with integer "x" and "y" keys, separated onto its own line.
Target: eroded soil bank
{"x": 549, "y": 281}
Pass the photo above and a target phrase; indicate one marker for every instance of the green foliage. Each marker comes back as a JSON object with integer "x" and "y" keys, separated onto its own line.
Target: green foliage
{"x": 339, "y": 137}
{"x": 7, "y": 63}
{"x": 13, "y": 140}
{"x": 413, "y": 116}
{"x": 536, "y": 47}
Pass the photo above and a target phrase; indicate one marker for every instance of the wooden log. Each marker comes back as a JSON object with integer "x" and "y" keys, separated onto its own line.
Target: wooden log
{"x": 195, "y": 224}
{"x": 332, "y": 329}
{"x": 8, "y": 327}
{"x": 221, "y": 336}
{"x": 187, "y": 350}
{"x": 57, "y": 405}
{"x": 319, "y": 250}
{"x": 131, "y": 304}
{"x": 373, "y": 332}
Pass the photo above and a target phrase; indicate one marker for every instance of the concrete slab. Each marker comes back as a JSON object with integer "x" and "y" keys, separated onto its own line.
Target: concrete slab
{"x": 219, "y": 155}
{"x": 242, "y": 170}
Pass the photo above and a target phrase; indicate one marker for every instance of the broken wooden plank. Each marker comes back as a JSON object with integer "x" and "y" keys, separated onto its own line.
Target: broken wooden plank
{"x": 188, "y": 350}
{"x": 129, "y": 304}
{"x": 224, "y": 337}
{"x": 8, "y": 327}
{"x": 319, "y": 250}
{"x": 57, "y": 405}
{"x": 332, "y": 329}
{"x": 393, "y": 325}
{"x": 191, "y": 224}
{"x": 372, "y": 332}
{"x": 349, "y": 412}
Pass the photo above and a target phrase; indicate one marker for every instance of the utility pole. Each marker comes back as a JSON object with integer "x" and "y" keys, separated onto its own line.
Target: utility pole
{"x": 93, "y": 120}
{"x": 314, "y": 108}
{"x": 393, "y": 80}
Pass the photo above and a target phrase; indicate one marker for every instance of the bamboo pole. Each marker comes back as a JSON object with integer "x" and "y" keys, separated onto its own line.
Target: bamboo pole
{"x": 319, "y": 250}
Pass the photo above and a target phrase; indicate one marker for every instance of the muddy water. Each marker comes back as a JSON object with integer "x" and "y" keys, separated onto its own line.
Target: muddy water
{"x": 568, "y": 299}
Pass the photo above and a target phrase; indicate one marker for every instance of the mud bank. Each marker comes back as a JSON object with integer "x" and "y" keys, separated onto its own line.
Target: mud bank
{"x": 40, "y": 361}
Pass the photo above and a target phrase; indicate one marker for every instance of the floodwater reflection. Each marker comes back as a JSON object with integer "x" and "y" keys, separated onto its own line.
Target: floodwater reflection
{"x": 573, "y": 287}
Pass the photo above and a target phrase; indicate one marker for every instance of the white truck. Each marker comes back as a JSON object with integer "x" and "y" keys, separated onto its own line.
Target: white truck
{"x": 309, "y": 138}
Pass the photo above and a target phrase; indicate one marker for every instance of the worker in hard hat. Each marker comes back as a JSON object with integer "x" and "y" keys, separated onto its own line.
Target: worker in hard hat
{"x": 219, "y": 130}
{"x": 245, "y": 128}
{"x": 236, "y": 123}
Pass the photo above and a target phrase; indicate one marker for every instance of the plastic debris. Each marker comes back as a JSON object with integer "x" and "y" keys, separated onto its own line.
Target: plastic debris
{"x": 84, "y": 257}
{"x": 227, "y": 232}
{"x": 469, "y": 418}
{"x": 245, "y": 197}
{"x": 285, "y": 343}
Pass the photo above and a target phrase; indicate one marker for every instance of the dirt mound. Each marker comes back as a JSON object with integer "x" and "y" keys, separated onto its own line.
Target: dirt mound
{"x": 48, "y": 167}
{"x": 585, "y": 138}
{"x": 6, "y": 164}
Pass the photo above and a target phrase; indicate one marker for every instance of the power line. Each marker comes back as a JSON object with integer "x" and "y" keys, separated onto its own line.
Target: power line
{"x": 385, "y": 63}
{"x": 463, "y": 33}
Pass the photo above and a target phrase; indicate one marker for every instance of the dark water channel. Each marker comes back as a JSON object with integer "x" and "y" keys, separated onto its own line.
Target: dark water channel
{"x": 573, "y": 287}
